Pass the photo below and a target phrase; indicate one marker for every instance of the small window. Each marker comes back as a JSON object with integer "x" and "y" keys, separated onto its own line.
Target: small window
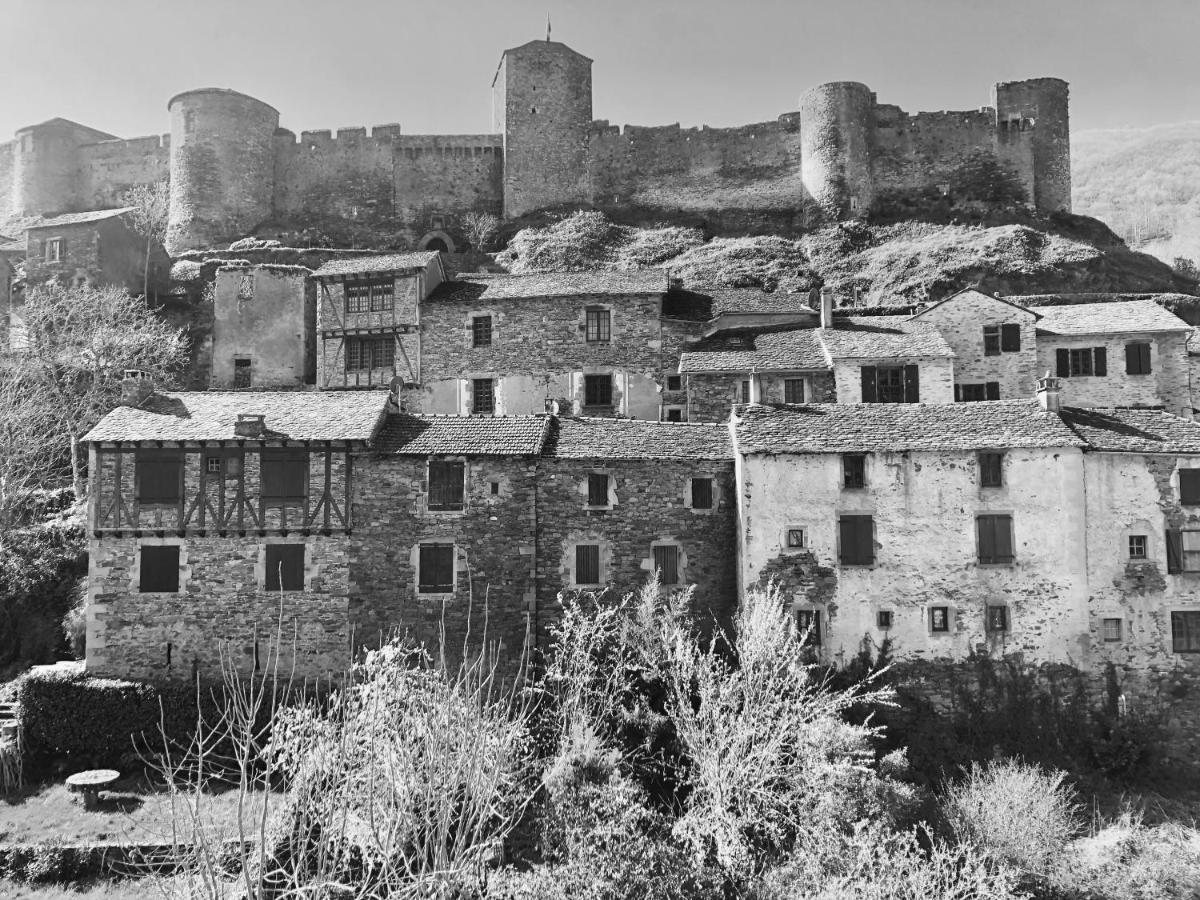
{"x": 883, "y": 618}
{"x": 481, "y": 331}
{"x": 1137, "y": 358}
{"x": 702, "y": 493}
{"x": 939, "y": 619}
{"x": 674, "y": 382}
{"x": 446, "y": 485}
{"x": 158, "y": 570}
{"x": 971, "y": 393}
{"x": 793, "y": 390}
{"x": 991, "y": 340}
{"x": 666, "y": 563}
{"x": 495, "y": 489}
{"x": 283, "y": 476}
{"x": 745, "y": 392}
{"x": 890, "y": 384}
{"x": 674, "y": 414}
{"x": 242, "y": 370}
{"x": 796, "y": 538}
{"x": 808, "y": 625}
{"x": 597, "y": 390}
{"x": 991, "y": 470}
{"x": 599, "y": 325}
{"x": 1189, "y": 487}
{"x": 597, "y": 489}
{"x": 997, "y": 618}
{"x": 587, "y": 564}
{"x": 995, "y": 539}
{"x": 1010, "y": 338}
{"x": 213, "y": 465}
{"x": 285, "y": 567}
{"x": 435, "y": 569}
{"x": 857, "y": 535}
{"x": 159, "y": 476}
{"x": 1112, "y": 630}
{"x": 1185, "y": 631}
{"x": 56, "y": 248}
{"x": 854, "y": 471}
{"x": 483, "y": 396}
{"x": 1137, "y": 546}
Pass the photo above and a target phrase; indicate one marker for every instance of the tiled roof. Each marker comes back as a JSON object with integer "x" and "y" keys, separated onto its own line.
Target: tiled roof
{"x": 1134, "y": 430}
{"x": 586, "y": 438}
{"x": 705, "y": 304}
{"x": 883, "y": 337}
{"x": 967, "y": 292}
{"x": 366, "y": 265}
{"x": 780, "y": 349}
{"x": 551, "y": 284}
{"x": 409, "y": 435}
{"x": 81, "y": 218}
{"x": 873, "y": 427}
{"x": 1107, "y": 318}
{"x": 210, "y": 416}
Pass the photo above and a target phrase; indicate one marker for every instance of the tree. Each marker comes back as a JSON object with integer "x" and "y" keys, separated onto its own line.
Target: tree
{"x": 151, "y": 205}
{"x": 79, "y": 343}
{"x": 480, "y": 227}
{"x": 1186, "y": 267}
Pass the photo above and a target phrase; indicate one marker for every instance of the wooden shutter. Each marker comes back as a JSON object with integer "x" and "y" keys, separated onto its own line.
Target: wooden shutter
{"x": 666, "y": 561}
{"x": 597, "y": 490}
{"x": 436, "y": 569}
{"x": 445, "y": 485}
{"x": 1174, "y": 551}
{"x": 283, "y": 475}
{"x": 702, "y": 493}
{"x": 869, "y": 393}
{"x": 992, "y": 390}
{"x": 1062, "y": 358}
{"x": 1144, "y": 351}
{"x": 159, "y": 477}
{"x": 995, "y": 538}
{"x": 285, "y": 567}
{"x": 857, "y": 540}
{"x": 158, "y": 569}
{"x": 1189, "y": 487}
{"x": 1099, "y": 361}
{"x": 912, "y": 384}
{"x": 1010, "y": 337}
{"x": 587, "y": 564}
{"x": 1137, "y": 358}
{"x": 957, "y": 393}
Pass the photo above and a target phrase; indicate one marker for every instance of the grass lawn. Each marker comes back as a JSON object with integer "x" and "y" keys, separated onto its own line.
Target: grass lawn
{"x": 95, "y": 890}
{"x": 135, "y": 810}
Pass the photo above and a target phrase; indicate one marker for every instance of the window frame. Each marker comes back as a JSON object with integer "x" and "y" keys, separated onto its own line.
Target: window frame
{"x": 991, "y": 468}
{"x": 996, "y": 618}
{"x": 442, "y": 498}
{"x": 284, "y": 567}
{"x": 1189, "y": 486}
{"x": 1131, "y": 547}
{"x": 596, "y": 488}
{"x": 597, "y": 325}
{"x": 1138, "y": 362}
{"x": 55, "y": 249}
{"x": 674, "y": 383}
{"x": 1106, "y": 634}
{"x": 482, "y": 336}
{"x": 284, "y": 456}
{"x": 709, "y": 486}
{"x": 378, "y": 351}
{"x": 936, "y": 613}
{"x": 489, "y": 408}
{"x": 991, "y": 340}
{"x": 1191, "y": 632}
{"x": 808, "y": 626}
{"x": 884, "y": 619}
{"x": 578, "y": 571}
{"x": 146, "y": 460}
{"x": 995, "y": 558}
{"x": 789, "y": 385}
{"x": 591, "y": 390}
{"x": 368, "y": 295}
{"x": 154, "y": 549}
{"x": 854, "y": 471}
{"x": 672, "y": 555}
{"x": 789, "y": 532}
{"x": 434, "y": 586}
{"x": 864, "y": 524}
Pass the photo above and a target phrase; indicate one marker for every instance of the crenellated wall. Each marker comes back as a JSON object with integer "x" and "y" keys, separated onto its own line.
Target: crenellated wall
{"x": 110, "y": 168}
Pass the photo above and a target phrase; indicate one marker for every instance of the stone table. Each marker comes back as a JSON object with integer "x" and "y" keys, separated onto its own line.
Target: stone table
{"x": 91, "y": 783}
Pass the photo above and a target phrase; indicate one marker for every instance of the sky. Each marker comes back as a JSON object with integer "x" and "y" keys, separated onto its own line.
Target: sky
{"x": 114, "y": 64}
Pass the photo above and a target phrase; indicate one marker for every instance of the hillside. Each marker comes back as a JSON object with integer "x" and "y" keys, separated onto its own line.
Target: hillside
{"x": 1144, "y": 183}
{"x": 904, "y": 262}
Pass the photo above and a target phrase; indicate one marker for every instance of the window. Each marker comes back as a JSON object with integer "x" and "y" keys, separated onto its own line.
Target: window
{"x": 213, "y": 465}
{"x": 1111, "y": 630}
{"x": 283, "y": 476}
{"x": 674, "y": 382}
{"x": 793, "y": 390}
{"x": 369, "y": 296}
{"x": 597, "y": 490}
{"x": 481, "y": 331}
{"x": 674, "y": 414}
{"x": 597, "y": 390}
{"x": 159, "y": 476}
{"x": 991, "y": 469}
{"x": 495, "y": 489}
{"x": 599, "y": 325}
{"x": 1137, "y": 358}
{"x": 446, "y": 484}
{"x": 666, "y": 562}
{"x": 227, "y": 463}
{"x": 995, "y": 539}
{"x": 55, "y": 249}
{"x": 483, "y": 396}
{"x": 997, "y": 618}
{"x": 285, "y": 567}
{"x": 808, "y": 624}
{"x": 587, "y": 564}
{"x": 1081, "y": 361}
{"x": 939, "y": 618}
{"x": 702, "y": 493}
{"x": 745, "y": 392}
{"x": 991, "y": 340}
{"x": 1189, "y": 487}
{"x": 158, "y": 570}
{"x": 435, "y": 569}
{"x": 1183, "y": 551}
{"x": 796, "y": 538}
{"x": 883, "y": 618}
{"x": 241, "y": 373}
{"x": 1137, "y": 546}
{"x": 1185, "y": 631}
{"x": 857, "y": 540}
{"x": 1010, "y": 338}
{"x": 974, "y": 393}
{"x": 890, "y": 384}
{"x": 370, "y": 352}
{"x": 854, "y": 471}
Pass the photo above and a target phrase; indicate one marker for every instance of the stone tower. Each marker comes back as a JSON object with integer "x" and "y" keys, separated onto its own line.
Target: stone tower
{"x": 1032, "y": 120}
{"x": 46, "y": 163}
{"x": 542, "y": 104}
{"x": 836, "y": 130}
{"x": 222, "y": 167}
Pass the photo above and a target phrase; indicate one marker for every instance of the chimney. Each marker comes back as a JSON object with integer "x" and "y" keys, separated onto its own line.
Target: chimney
{"x": 1047, "y": 393}
{"x": 250, "y": 425}
{"x": 826, "y": 307}
{"x": 136, "y": 386}
{"x": 755, "y": 389}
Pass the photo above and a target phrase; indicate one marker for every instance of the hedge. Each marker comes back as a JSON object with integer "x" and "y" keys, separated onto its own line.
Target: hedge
{"x": 51, "y": 862}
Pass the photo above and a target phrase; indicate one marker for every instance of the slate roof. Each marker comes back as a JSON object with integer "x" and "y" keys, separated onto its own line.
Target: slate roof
{"x": 587, "y": 438}
{"x": 794, "y": 348}
{"x": 410, "y": 435}
{"x": 1107, "y": 318}
{"x": 1010, "y": 301}
{"x": 883, "y": 337}
{"x": 551, "y": 284}
{"x": 97, "y": 215}
{"x": 210, "y": 416}
{"x": 875, "y": 427}
{"x": 1134, "y": 430}
{"x": 705, "y": 304}
{"x": 366, "y": 265}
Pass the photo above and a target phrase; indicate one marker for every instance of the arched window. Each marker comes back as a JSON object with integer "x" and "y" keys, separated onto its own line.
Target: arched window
{"x": 437, "y": 244}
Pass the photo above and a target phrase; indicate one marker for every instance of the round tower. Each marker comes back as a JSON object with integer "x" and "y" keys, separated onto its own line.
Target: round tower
{"x": 45, "y": 167}
{"x": 836, "y": 128}
{"x": 1036, "y": 112}
{"x": 222, "y": 167}
{"x": 542, "y": 104}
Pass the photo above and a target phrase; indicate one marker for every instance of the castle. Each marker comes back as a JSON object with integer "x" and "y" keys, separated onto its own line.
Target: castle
{"x": 233, "y": 171}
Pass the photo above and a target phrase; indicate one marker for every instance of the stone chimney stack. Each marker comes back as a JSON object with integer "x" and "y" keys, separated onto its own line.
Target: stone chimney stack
{"x": 1047, "y": 393}
{"x": 826, "y": 307}
{"x": 755, "y": 389}
{"x": 136, "y": 386}
{"x": 250, "y": 425}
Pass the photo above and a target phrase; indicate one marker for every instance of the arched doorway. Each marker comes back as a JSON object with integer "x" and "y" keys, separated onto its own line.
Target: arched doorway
{"x": 437, "y": 240}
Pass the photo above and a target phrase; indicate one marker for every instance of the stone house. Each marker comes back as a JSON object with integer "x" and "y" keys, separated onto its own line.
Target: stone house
{"x": 98, "y": 248}
{"x": 264, "y": 327}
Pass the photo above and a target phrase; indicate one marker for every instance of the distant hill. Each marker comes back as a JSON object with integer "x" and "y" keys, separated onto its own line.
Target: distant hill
{"x": 1144, "y": 184}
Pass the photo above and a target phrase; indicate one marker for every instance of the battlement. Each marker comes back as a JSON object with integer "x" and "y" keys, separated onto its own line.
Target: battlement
{"x": 147, "y": 144}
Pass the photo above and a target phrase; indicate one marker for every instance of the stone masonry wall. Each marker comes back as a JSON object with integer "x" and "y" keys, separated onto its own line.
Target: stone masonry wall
{"x": 267, "y": 315}
{"x": 936, "y": 377}
{"x": 332, "y": 315}
{"x": 711, "y": 395}
{"x": 110, "y": 168}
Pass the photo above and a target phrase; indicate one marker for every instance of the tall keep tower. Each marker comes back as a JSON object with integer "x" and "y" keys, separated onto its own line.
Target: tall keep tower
{"x": 542, "y": 104}
{"x": 46, "y": 164}
{"x": 836, "y": 127}
{"x": 1036, "y": 112}
{"x": 222, "y": 167}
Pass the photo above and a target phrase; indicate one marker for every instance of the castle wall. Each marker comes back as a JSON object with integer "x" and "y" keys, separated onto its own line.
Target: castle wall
{"x": 924, "y": 150}
{"x": 6, "y": 179}
{"x": 110, "y": 168}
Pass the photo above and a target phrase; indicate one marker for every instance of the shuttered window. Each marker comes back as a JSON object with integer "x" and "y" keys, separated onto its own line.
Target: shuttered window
{"x": 702, "y": 493}
{"x": 1189, "y": 487}
{"x": 1183, "y": 551}
{"x": 446, "y": 484}
{"x": 891, "y": 384}
{"x": 666, "y": 562}
{"x": 436, "y": 569}
{"x": 1077, "y": 361}
{"x": 857, "y": 544}
{"x": 285, "y": 567}
{"x": 159, "y": 476}
{"x": 967, "y": 393}
{"x": 1010, "y": 338}
{"x": 991, "y": 469}
{"x": 991, "y": 340}
{"x": 1137, "y": 358}
{"x": 587, "y": 564}
{"x": 1185, "y": 631}
{"x": 158, "y": 570}
{"x": 283, "y": 476}
{"x": 597, "y": 489}
{"x": 995, "y": 539}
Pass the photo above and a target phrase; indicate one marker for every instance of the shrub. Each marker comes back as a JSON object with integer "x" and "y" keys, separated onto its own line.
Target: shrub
{"x": 1125, "y": 860}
